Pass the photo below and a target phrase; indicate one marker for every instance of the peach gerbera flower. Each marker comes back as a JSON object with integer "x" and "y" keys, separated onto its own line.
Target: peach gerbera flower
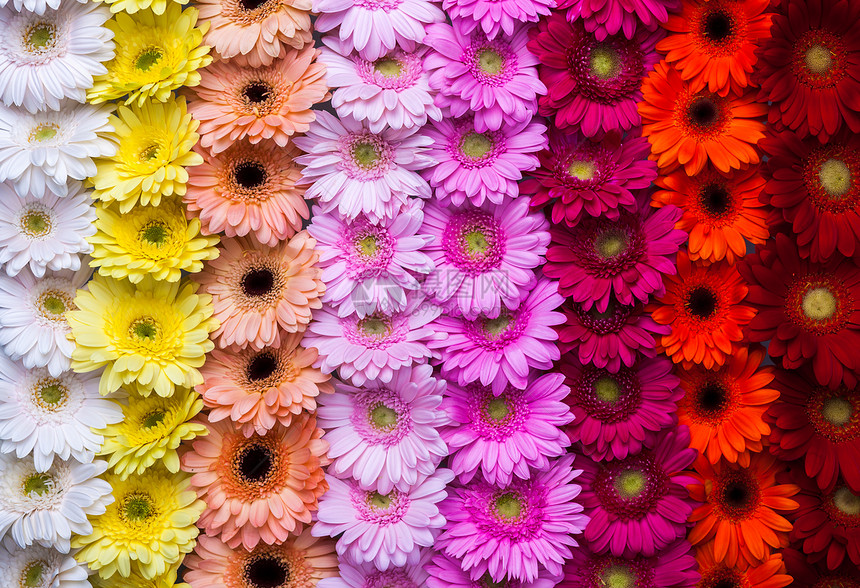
{"x": 234, "y": 102}
{"x": 259, "y": 290}
{"x": 260, "y": 488}
{"x": 256, "y": 389}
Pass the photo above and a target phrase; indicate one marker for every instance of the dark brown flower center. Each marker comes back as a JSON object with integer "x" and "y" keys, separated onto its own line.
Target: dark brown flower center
{"x": 714, "y": 198}
{"x": 711, "y": 398}
{"x": 702, "y": 302}
{"x": 267, "y": 572}
{"x": 262, "y": 366}
{"x": 255, "y": 464}
{"x": 258, "y": 282}
{"x": 703, "y": 112}
{"x": 249, "y": 175}
{"x": 718, "y": 27}
{"x": 257, "y": 92}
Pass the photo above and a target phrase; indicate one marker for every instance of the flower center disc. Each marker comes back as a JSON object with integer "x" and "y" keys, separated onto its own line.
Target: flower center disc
{"x": 702, "y": 302}
{"x": 261, "y": 367}
{"x": 33, "y": 574}
{"x": 249, "y": 175}
{"x": 497, "y": 409}
{"x": 255, "y": 463}
{"x": 38, "y": 484}
{"x": 379, "y": 501}
{"x": 819, "y": 304}
{"x": 835, "y": 177}
{"x": 368, "y": 246}
{"x": 487, "y": 581}
{"x": 373, "y": 326}
{"x": 475, "y": 145}
{"x": 607, "y": 390}
{"x": 604, "y": 63}
{"x": 617, "y": 577}
{"x": 257, "y": 92}
{"x": 144, "y": 329}
{"x": 267, "y": 572}
{"x": 365, "y": 154}
{"x": 383, "y": 417}
{"x": 138, "y": 508}
{"x": 153, "y": 419}
{"x": 52, "y": 394}
{"x": 490, "y": 62}
{"x": 251, "y": 5}
{"x": 703, "y": 112}
{"x": 41, "y": 36}
{"x": 497, "y": 326}
{"x": 582, "y": 170}
{"x": 846, "y": 502}
{"x": 711, "y": 398}
{"x": 715, "y": 199}
{"x": 54, "y": 305}
{"x": 154, "y": 234}
{"x": 630, "y": 483}
{"x": 258, "y": 282}
{"x": 509, "y": 506}
{"x": 476, "y": 243}
{"x": 148, "y": 58}
{"x": 610, "y": 244}
{"x": 818, "y": 59}
{"x": 718, "y": 27}
{"x": 390, "y": 68}
{"x": 837, "y": 411}
{"x": 149, "y": 153}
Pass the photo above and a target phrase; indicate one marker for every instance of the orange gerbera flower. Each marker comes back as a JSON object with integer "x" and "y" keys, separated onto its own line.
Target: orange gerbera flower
{"x": 715, "y": 41}
{"x": 715, "y": 573}
{"x": 741, "y": 511}
{"x": 724, "y": 408}
{"x": 720, "y": 211}
{"x": 703, "y": 308}
{"x": 688, "y": 125}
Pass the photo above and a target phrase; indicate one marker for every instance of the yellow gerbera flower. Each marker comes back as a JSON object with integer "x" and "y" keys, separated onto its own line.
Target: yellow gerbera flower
{"x": 146, "y": 531}
{"x": 155, "y": 334}
{"x": 155, "y": 141}
{"x": 149, "y": 240}
{"x": 157, "y": 53}
{"x": 132, "y": 6}
{"x": 135, "y": 580}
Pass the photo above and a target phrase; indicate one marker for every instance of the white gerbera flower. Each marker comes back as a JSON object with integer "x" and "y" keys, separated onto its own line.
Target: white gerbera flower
{"x": 41, "y": 152}
{"x": 39, "y": 567}
{"x": 46, "y": 58}
{"x": 52, "y": 416}
{"x": 37, "y": 6}
{"x": 46, "y": 233}
{"x": 47, "y": 507}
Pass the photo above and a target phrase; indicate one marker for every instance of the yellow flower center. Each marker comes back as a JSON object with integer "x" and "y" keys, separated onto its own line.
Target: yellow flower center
{"x": 365, "y": 154}
{"x": 32, "y": 575}
{"x": 847, "y": 502}
{"x": 373, "y": 327}
{"x": 54, "y": 305}
{"x": 383, "y": 418}
{"x": 818, "y": 59}
{"x": 379, "y": 501}
{"x": 36, "y": 223}
{"x": 475, "y": 145}
{"x": 509, "y": 506}
{"x": 607, "y": 390}
{"x": 819, "y": 304}
{"x": 138, "y": 507}
{"x": 604, "y": 63}
{"x": 41, "y": 36}
{"x": 38, "y": 484}
{"x": 498, "y": 409}
{"x": 837, "y": 411}
{"x": 148, "y": 58}
{"x": 490, "y": 61}
{"x": 610, "y": 244}
{"x": 368, "y": 246}
{"x": 835, "y": 177}
{"x": 497, "y": 326}
{"x": 617, "y": 577}
{"x": 582, "y": 170}
{"x": 390, "y": 68}
{"x": 149, "y": 153}
{"x": 53, "y": 394}
{"x": 476, "y": 243}
{"x": 630, "y": 484}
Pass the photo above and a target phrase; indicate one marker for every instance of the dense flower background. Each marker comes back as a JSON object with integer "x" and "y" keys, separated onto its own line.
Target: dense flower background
{"x": 407, "y": 294}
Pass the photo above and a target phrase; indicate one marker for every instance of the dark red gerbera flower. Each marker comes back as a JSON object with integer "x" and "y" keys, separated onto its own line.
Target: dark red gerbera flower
{"x": 810, "y": 575}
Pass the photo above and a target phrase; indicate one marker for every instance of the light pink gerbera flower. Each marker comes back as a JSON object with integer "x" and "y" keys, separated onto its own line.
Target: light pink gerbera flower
{"x": 412, "y": 575}
{"x": 370, "y": 267}
{"x": 495, "y": 16}
{"x": 354, "y": 170}
{"x": 385, "y": 435}
{"x": 485, "y": 257}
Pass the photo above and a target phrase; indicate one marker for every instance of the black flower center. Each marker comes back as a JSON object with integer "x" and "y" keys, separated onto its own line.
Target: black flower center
{"x": 262, "y": 366}
{"x": 715, "y": 199}
{"x": 718, "y": 26}
{"x": 703, "y": 112}
{"x": 702, "y": 302}
{"x": 250, "y": 175}
{"x": 258, "y": 282}
{"x": 711, "y": 398}
{"x": 257, "y": 92}
{"x": 255, "y": 463}
{"x": 267, "y": 572}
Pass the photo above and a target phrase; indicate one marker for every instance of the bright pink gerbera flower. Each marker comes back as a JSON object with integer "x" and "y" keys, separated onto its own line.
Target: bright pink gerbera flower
{"x": 369, "y": 267}
{"x": 639, "y": 505}
{"x": 376, "y": 346}
{"x": 447, "y": 572}
{"x": 481, "y": 166}
{"x": 356, "y": 171}
{"x": 494, "y": 80}
{"x": 485, "y": 257}
{"x": 608, "y": 17}
{"x": 502, "y": 350}
{"x": 619, "y": 414}
{"x": 673, "y": 567}
{"x": 385, "y": 435}
{"x": 579, "y": 176}
{"x": 602, "y": 258}
{"x": 504, "y": 435}
{"x": 516, "y": 530}
{"x": 591, "y": 85}
{"x": 375, "y": 27}
{"x": 495, "y": 16}
{"x": 384, "y": 529}
{"x": 366, "y": 575}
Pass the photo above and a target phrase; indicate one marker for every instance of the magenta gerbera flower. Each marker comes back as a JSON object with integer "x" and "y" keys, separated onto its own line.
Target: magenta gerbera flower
{"x": 495, "y": 80}
{"x": 384, "y": 529}
{"x": 354, "y": 170}
{"x": 514, "y": 531}
{"x": 502, "y": 350}
{"x": 591, "y": 85}
{"x": 608, "y": 17}
{"x": 366, "y": 575}
{"x": 392, "y": 91}
{"x": 385, "y": 435}
{"x": 370, "y": 267}
{"x": 506, "y": 434}
{"x": 618, "y": 414}
{"x": 481, "y": 166}
{"x": 579, "y": 176}
{"x": 639, "y": 505}
{"x": 447, "y": 572}
{"x": 602, "y": 258}
{"x": 673, "y": 567}
{"x": 373, "y": 347}
{"x": 485, "y": 257}
{"x": 495, "y": 16}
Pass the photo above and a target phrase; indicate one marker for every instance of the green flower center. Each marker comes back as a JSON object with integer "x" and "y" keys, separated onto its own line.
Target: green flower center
{"x": 617, "y": 577}
{"x": 383, "y": 417}
{"x": 604, "y": 63}
{"x": 153, "y": 419}
{"x": 41, "y": 35}
{"x": 475, "y": 145}
{"x": 476, "y": 243}
{"x": 368, "y": 246}
{"x": 630, "y": 483}
{"x": 582, "y": 170}
{"x": 144, "y": 329}
{"x": 495, "y": 327}
{"x": 607, "y": 389}
{"x": 36, "y": 223}
{"x": 52, "y": 394}
{"x": 610, "y": 244}
{"x": 148, "y": 58}
{"x": 138, "y": 508}
{"x": 818, "y": 59}
{"x": 835, "y": 177}
{"x": 44, "y": 132}
{"x": 846, "y": 502}
{"x": 149, "y": 153}
{"x": 490, "y": 62}
{"x": 32, "y": 575}
{"x": 54, "y": 305}
{"x": 819, "y": 304}
{"x": 390, "y": 68}
{"x": 498, "y": 409}
{"x": 509, "y": 506}
{"x": 38, "y": 484}
{"x": 365, "y": 154}
{"x": 379, "y": 501}
{"x": 373, "y": 327}
{"x": 154, "y": 234}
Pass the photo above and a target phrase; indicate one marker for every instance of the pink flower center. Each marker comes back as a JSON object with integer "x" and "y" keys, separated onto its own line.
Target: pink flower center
{"x": 607, "y": 248}
{"x": 630, "y": 488}
{"x": 379, "y": 509}
{"x": 375, "y": 331}
{"x": 491, "y": 63}
{"x": 368, "y": 249}
{"x": 365, "y": 156}
{"x": 391, "y": 578}
{"x": 608, "y": 71}
{"x": 514, "y": 513}
{"x": 396, "y": 71}
{"x": 613, "y": 572}
{"x": 605, "y": 396}
{"x": 380, "y": 417}
{"x": 474, "y": 242}
{"x": 496, "y": 418}
{"x": 472, "y": 149}
{"x": 493, "y": 334}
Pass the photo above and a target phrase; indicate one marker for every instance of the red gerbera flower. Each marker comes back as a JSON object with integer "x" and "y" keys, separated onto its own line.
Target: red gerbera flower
{"x": 716, "y": 574}
{"x": 808, "y": 67}
{"x": 810, "y": 575}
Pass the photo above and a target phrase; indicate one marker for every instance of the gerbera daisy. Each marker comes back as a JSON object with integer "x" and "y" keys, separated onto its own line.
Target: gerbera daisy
{"x": 390, "y": 92}
{"x": 638, "y": 505}
{"x": 154, "y": 334}
{"x": 51, "y": 417}
{"x": 619, "y": 414}
{"x": 159, "y": 53}
{"x": 807, "y": 67}
{"x": 52, "y": 55}
{"x": 136, "y": 580}
{"x": 688, "y": 125}
{"x": 703, "y": 305}
{"x": 367, "y": 576}
{"x": 809, "y": 312}
{"x": 501, "y": 350}
{"x": 376, "y": 346}
{"x": 493, "y": 80}
{"x": 721, "y": 211}
{"x": 258, "y": 488}
{"x": 255, "y": 389}
{"x": 493, "y": 18}
{"x": 154, "y": 148}
{"x": 48, "y": 233}
{"x": 724, "y": 407}
{"x": 274, "y": 102}
{"x": 816, "y": 188}
{"x": 624, "y": 260}
{"x": 608, "y": 17}
{"x": 742, "y": 509}
{"x": 33, "y": 325}
{"x": 505, "y": 435}
{"x": 356, "y": 171}
{"x": 41, "y": 153}
{"x": 40, "y": 567}
{"x": 301, "y": 561}
{"x": 148, "y": 529}
{"x": 385, "y": 436}
{"x": 376, "y": 27}
{"x": 514, "y": 530}
{"x": 485, "y": 257}
{"x": 582, "y": 177}
{"x": 46, "y": 508}
{"x": 672, "y": 567}
{"x": 447, "y": 572}
{"x": 481, "y": 167}
{"x": 770, "y": 573}
{"x": 816, "y": 575}
{"x": 370, "y": 267}
{"x": 37, "y": 6}
{"x": 386, "y": 530}
{"x": 609, "y": 339}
